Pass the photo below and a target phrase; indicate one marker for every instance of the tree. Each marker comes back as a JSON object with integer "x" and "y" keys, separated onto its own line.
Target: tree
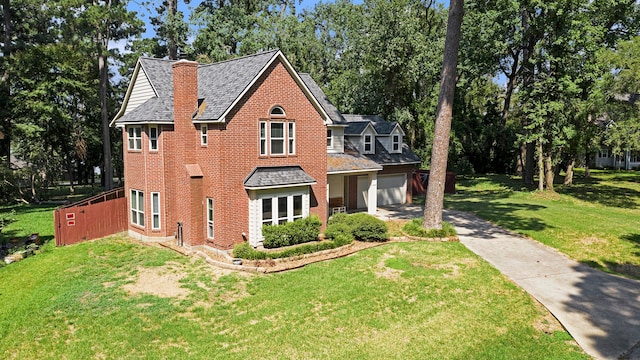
{"x": 437, "y": 175}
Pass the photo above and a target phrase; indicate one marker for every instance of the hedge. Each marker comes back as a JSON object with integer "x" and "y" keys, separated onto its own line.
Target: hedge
{"x": 291, "y": 233}
{"x": 246, "y": 251}
{"x": 363, "y": 226}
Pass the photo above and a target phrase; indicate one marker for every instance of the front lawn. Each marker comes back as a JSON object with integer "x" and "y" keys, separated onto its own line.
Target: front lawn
{"x": 596, "y": 221}
{"x": 114, "y": 298}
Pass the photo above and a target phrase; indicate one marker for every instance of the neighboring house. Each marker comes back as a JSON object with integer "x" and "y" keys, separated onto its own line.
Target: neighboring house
{"x": 605, "y": 158}
{"x": 213, "y": 152}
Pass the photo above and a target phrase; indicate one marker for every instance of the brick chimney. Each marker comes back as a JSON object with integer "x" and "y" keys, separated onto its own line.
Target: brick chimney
{"x": 185, "y": 101}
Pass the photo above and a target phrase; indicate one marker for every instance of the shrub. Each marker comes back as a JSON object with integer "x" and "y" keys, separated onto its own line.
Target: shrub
{"x": 291, "y": 233}
{"x": 246, "y": 251}
{"x": 368, "y": 228}
{"x": 336, "y": 229}
{"x": 414, "y": 228}
{"x": 362, "y": 226}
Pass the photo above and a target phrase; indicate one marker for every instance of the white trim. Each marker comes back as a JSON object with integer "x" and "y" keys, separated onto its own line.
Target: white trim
{"x": 204, "y": 135}
{"x": 283, "y": 138}
{"x": 262, "y": 125}
{"x": 157, "y": 138}
{"x": 132, "y": 136}
{"x": 155, "y": 212}
{"x": 139, "y": 213}
{"x": 210, "y": 219}
{"x": 291, "y": 139}
{"x": 363, "y": 171}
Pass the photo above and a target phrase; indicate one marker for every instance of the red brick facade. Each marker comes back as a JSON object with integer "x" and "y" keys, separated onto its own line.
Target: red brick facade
{"x": 185, "y": 173}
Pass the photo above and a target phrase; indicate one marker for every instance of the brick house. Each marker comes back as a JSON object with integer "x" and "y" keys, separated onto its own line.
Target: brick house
{"x": 214, "y": 151}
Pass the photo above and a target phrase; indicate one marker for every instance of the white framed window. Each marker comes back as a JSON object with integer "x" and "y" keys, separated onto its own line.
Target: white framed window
{"x": 277, "y": 111}
{"x": 277, "y": 138}
{"x": 135, "y": 137}
{"x": 263, "y": 138}
{"x": 137, "y": 207}
{"x": 395, "y": 143}
{"x": 153, "y": 138}
{"x": 368, "y": 142}
{"x": 204, "y": 135}
{"x": 209, "y": 218}
{"x": 267, "y": 211}
{"x": 282, "y": 209}
{"x": 604, "y": 153}
{"x": 329, "y": 138}
{"x": 291, "y": 135}
{"x": 155, "y": 211}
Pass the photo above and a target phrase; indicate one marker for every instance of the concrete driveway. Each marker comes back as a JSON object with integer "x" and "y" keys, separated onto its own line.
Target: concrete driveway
{"x": 601, "y": 311}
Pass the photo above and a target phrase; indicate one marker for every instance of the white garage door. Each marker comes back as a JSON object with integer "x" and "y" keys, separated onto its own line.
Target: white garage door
{"x": 392, "y": 189}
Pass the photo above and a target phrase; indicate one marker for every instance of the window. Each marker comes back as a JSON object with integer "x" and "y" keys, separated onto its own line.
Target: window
{"x": 267, "y": 211}
{"x": 135, "y": 138}
{"x": 282, "y": 209}
{"x": 263, "y": 138}
{"x": 395, "y": 143}
{"x": 297, "y": 207}
{"x": 277, "y": 138}
{"x": 329, "y": 138}
{"x": 277, "y": 111}
{"x": 291, "y": 134}
{"x": 137, "y": 207}
{"x": 210, "y": 218}
{"x": 204, "y": 136}
{"x": 153, "y": 138}
{"x": 155, "y": 211}
{"x": 604, "y": 153}
{"x": 367, "y": 143}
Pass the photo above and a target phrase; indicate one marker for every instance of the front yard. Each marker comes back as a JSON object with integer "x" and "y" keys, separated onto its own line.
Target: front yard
{"x": 115, "y": 298}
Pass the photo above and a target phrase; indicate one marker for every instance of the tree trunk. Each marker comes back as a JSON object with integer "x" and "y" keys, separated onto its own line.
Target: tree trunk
{"x": 5, "y": 89}
{"x": 521, "y": 160}
{"x": 568, "y": 177}
{"x": 529, "y": 163}
{"x": 540, "y": 167}
{"x": 549, "y": 174}
{"x": 440, "y": 150}
{"x": 172, "y": 45}
{"x": 103, "y": 43}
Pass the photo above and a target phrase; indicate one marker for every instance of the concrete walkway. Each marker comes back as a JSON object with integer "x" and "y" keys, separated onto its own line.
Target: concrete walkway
{"x": 601, "y": 311}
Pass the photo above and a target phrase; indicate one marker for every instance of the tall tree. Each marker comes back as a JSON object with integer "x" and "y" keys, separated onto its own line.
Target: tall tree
{"x": 439, "y": 153}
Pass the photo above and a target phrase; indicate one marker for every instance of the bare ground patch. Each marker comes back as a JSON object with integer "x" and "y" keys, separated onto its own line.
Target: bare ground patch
{"x": 162, "y": 281}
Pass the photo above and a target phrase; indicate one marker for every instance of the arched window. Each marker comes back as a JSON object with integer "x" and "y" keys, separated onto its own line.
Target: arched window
{"x": 277, "y": 111}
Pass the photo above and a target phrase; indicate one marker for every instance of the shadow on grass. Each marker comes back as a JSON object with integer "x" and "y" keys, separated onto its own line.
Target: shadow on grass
{"x": 606, "y": 195}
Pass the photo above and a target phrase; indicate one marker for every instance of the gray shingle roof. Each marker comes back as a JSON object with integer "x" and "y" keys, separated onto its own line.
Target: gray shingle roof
{"x": 334, "y": 114}
{"x": 220, "y": 84}
{"x": 382, "y": 126}
{"x": 343, "y": 162}
{"x": 155, "y": 110}
{"x": 383, "y": 157}
{"x": 355, "y": 127}
{"x": 280, "y": 176}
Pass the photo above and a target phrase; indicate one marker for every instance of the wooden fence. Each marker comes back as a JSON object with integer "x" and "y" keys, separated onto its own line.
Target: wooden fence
{"x": 99, "y": 216}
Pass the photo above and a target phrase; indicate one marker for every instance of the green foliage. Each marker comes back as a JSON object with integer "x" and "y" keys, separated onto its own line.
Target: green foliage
{"x": 337, "y": 229}
{"x": 362, "y": 226}
{"x": 414, "y": 228}
{"x": 291, "y": 233}
{"x": 246, "y": 251}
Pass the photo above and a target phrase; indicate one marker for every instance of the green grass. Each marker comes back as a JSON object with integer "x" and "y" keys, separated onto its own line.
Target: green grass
{"x": 596, "y": 221}
{"x": 405, "y": 301}
{"x": 28, "y": 219}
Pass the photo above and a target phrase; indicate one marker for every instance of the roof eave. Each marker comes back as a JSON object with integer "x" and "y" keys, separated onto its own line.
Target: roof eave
{"x": 279, "y": 186}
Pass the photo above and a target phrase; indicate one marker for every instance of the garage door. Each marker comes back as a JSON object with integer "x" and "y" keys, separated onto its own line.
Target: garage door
{"x": 392, "y": 189}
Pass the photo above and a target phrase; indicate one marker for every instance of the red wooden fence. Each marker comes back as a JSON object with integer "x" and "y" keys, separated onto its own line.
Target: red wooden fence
{"x": 92, "y": 218}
